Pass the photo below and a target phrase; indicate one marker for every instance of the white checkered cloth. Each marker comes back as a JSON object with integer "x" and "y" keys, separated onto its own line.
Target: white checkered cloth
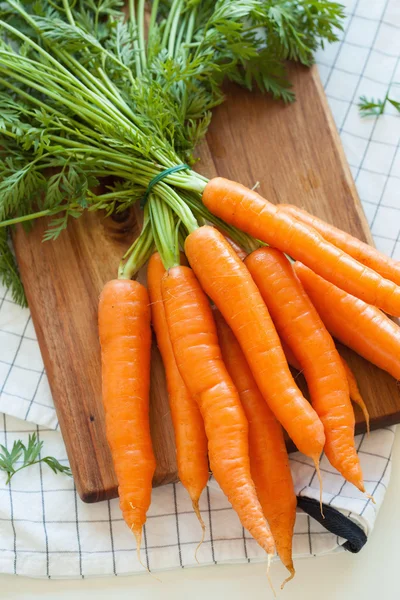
{"x": 46, "y": 531}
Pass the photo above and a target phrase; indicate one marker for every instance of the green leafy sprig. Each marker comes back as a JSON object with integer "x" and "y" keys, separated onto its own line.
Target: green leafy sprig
{"x": 28, "y": 455}
{"x": 369, "y": 107}
{"x": 9, "y": 274}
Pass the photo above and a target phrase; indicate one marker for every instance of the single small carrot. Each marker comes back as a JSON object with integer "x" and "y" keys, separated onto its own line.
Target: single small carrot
{"x": 269, "y": 461}
{"x": 224, "y": 277}
{"x": 360, "y": 326}
{"x": 125, "y": 337}
{"x": 299, "y": 325}
{"x": 355, "y": 394}
{"x": 198, "y": 357}
{"x": 365, "y": 254}
{"x": 190, "y": 435}
{"x": 247, "y": 210}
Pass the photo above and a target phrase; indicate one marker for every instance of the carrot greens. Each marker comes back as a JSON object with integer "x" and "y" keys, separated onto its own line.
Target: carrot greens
{"x": 88, "y": 92}
{"x": 21, "y": 456}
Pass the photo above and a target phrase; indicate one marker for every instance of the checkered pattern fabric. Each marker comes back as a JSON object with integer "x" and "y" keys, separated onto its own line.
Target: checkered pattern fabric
{"x": 46, "y": 531}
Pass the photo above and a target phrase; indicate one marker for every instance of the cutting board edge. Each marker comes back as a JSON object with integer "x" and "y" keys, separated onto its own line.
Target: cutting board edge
{"x": 101, "y": 494}
{"x": 88, "y": 494}
{"x": 341, "y": 153}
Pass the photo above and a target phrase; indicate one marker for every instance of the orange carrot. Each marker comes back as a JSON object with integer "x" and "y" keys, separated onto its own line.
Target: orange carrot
{"x": 239, "y": 251}
{"x": 190, "y": 435}
{"x": 365, "y": 254}
{"x": 198, "y": 357}
{"x": 248, "y": 211}
{"x": 290, "y": 357}
{"x": 269, "y": 461}
{"x": 125, "y": 337}
{"x": 224, "y": 277}
{"x": 299, "y": 325}
{"x": 358, "y": 325}
{"x": 355, "y": 394}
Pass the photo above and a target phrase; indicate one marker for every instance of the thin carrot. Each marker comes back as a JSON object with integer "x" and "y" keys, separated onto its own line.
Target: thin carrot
{"x": 299, "y": 325}
{"x": 365, "y": 254}
{"x": 198, "y": 357}
{"x": 355, "y": 394}
{"x": 248, "y": 211}
{"x": 125, "y": 337}
{"x": 190, "y": 435}
{"x": 269, "y": 461}
{"x": 224, "y": 277}
{"x": 358, "y": 325}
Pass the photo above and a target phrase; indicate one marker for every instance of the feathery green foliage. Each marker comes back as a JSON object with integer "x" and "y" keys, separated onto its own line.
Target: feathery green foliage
{"x": 85, "y": 94}
{"x": 369, "y": 107}
{"x": 26, "y": 456}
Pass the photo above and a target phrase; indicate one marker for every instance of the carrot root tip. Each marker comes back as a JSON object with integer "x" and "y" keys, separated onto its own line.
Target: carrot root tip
{"x": 195, "y": 504}
{"x": 292, "y": 574}
{"x": 316, "y": 464}
{"x": 370, "y": 497}
{"x": 138, "y": 535}
{"x": 270, "y": 557}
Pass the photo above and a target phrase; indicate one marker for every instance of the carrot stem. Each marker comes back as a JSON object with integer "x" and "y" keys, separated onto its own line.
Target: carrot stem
{"x": 140, "y": 251}
{"x": 164, "y": 231}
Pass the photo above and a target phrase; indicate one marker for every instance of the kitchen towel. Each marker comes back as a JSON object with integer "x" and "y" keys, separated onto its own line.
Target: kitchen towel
{"x": 46, "y": 531}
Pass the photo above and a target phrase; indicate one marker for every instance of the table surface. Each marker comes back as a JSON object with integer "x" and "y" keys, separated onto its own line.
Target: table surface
{"x": 370, "y": 575}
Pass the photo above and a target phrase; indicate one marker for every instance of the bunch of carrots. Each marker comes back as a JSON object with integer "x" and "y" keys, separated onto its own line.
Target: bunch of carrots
{"x": 258, "y": 287}
{"x": 228, "y": 324}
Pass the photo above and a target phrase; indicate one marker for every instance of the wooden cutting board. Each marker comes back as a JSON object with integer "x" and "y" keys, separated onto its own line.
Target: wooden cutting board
{"x": 295, "y": 154}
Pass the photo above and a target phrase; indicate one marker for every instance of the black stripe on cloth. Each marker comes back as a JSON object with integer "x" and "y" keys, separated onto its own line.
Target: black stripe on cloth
{"x": 210, "y": 525}
{"x": 177, "y": 526}
{"x": 245, "y": 545}
{"x": 335, "y": 522}
{"x": 11, "y": 503}
{"x": 112, "y": 539}
{"x": 78, "y": 533}
{"x": 46, "y": 537}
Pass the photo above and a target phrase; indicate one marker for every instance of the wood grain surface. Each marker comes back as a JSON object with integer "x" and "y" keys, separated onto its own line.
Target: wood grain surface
{"x": 295, "y": 155}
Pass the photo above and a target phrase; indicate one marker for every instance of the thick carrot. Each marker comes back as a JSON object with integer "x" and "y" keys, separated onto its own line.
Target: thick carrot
{"x": 248, "y": 211}
{"x": 365, "y": 254}
{"x": 190, "y": 435}
{"x": 358, "y": 325}
{"x": 125, "y": 337}
{"x": 355, "y": 394}
{"x": 299, "y": 325}
{"x": 198, "y": 357}
{"x": 224, "y": 277}
{"x": 269, "y": 461}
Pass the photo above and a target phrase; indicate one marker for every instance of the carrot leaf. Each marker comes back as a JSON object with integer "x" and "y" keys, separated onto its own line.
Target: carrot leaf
{"x": 9, "y": 274}
{"x": 369, "y": 107}
{"x": 22, "y": 456}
